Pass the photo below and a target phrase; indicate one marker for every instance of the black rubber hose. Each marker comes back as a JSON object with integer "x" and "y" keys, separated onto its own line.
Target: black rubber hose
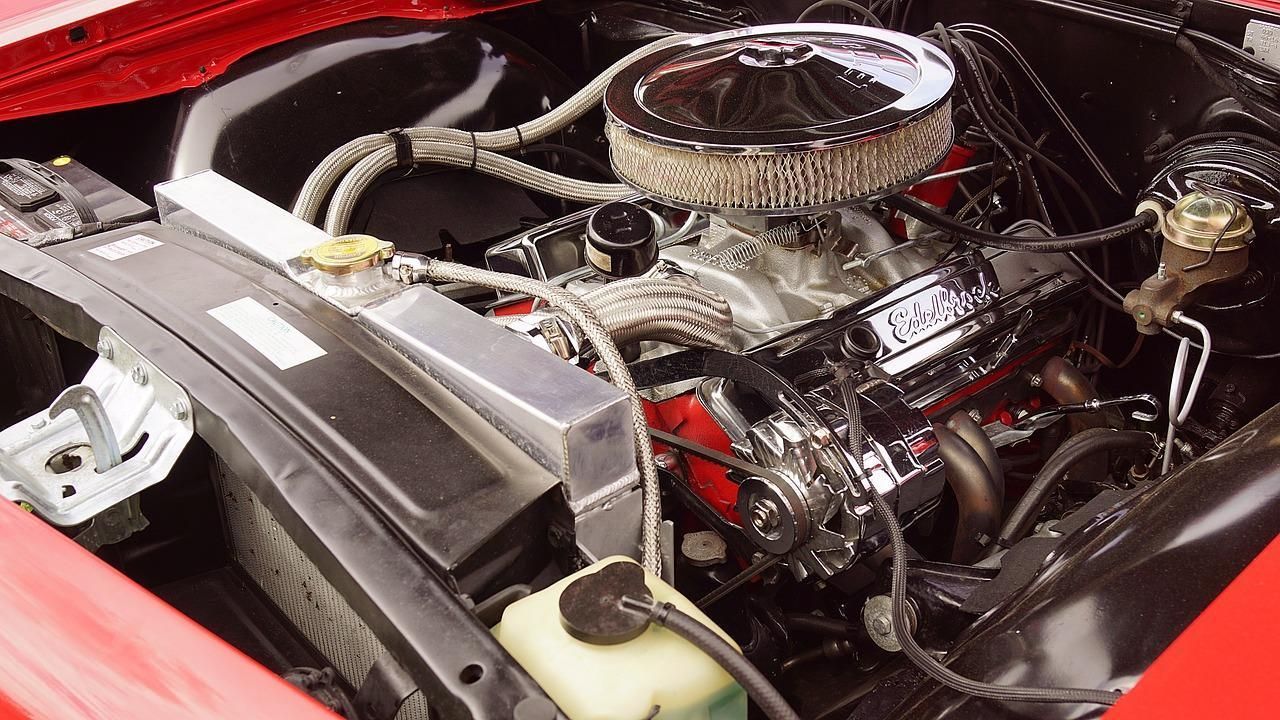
{"x": 1062, "y": 243}
{"x": 820, "y": 625}
{"x": 1067, "y": 456}
{"x": 758, "y": 687}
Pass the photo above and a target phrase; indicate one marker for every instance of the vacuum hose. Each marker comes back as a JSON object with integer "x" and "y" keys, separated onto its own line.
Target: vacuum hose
{"x": 1144, "y": 220}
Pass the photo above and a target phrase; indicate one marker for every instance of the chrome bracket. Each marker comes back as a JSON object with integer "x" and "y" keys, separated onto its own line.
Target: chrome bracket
{"x": 129, "y": 424}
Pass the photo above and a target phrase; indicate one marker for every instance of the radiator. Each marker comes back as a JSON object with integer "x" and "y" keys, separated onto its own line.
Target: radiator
{"x": 294, "y": 584}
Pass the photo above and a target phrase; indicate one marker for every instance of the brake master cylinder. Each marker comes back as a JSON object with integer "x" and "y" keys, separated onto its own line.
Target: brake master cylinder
{"x": 1206, "y": 241}
{"x": 599, "y": 664}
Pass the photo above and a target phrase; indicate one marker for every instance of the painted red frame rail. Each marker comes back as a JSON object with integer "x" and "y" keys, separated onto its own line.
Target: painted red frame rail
{"x": 154, "y": 47}
{"x": 82, "y": 641}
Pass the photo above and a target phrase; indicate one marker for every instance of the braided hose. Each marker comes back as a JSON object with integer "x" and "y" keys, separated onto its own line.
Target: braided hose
{"x": 582, "y": 314}
{"x": 737, "y": 256}
{"x": 338, "y": 162}
{"x": 366, "y": 172}
{"x": 651, "y": 309}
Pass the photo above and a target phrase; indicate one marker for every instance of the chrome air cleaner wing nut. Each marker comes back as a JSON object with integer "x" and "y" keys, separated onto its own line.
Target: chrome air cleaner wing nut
{"x": 780, "y": 119}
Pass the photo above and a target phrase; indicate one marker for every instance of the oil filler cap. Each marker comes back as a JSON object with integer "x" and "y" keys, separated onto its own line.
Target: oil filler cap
{"x": 622, "y": 240}
{"x": 348, "y": 254}
{"x": 591, "y": 607}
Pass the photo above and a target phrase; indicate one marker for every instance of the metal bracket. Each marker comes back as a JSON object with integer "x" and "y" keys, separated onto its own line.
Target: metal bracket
{"x": 130, "y": 423}
{"x": 384, "y": 689}
{"x": 1146, "y": 408}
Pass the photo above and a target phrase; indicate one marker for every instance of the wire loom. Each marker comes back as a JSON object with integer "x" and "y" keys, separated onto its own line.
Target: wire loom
{"x": 780, "y": 182}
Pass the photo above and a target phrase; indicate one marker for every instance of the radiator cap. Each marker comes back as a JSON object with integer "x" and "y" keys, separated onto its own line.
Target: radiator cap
{"x": 348, "y": 254}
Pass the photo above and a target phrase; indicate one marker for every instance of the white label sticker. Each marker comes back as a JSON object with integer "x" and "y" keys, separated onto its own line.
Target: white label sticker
{"x": 131, "y": 245}
{"x": 278, "y": 341}
{"x": 1264, "y": 39}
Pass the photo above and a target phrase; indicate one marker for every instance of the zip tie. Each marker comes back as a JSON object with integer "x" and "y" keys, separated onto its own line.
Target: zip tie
{"x": 404, "y": 147}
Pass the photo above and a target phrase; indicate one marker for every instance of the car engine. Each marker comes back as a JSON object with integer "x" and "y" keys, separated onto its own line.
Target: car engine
{"x": 776, "y": 365}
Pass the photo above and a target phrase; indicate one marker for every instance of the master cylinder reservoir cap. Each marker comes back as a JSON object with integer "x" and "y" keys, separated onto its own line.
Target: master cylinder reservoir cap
{"x": 347, "y": 254}
{"x": 591, "y": 607}
{"x": 1199, "y": 219}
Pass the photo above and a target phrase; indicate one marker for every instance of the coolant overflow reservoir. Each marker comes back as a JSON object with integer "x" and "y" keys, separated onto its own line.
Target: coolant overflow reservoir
{"x": 607, "y": 669}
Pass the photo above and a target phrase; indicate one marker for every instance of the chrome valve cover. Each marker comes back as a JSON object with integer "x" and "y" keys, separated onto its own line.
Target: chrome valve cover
{"x": 907, "y": 349}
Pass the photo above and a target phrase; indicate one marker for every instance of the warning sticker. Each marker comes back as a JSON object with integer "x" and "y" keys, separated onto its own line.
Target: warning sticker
{"x": 13, "y": 226}
{"x": 278, "y": 341}
{"x": 131, "y": 245}
{"x": 61, "y": 214}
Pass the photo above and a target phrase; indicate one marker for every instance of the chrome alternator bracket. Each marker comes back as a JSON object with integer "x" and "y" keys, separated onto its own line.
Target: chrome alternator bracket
{"x": 101, "y": 442}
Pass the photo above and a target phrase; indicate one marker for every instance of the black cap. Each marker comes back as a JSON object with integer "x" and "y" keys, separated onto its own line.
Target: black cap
{"x": 591, "y": 607}
{"x": 622, "y": 240}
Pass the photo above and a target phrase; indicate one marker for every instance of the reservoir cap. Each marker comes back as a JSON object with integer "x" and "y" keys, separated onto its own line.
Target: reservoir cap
{"x": 591, "y": 607}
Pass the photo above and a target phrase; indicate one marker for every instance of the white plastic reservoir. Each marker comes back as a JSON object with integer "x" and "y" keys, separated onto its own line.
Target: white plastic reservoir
{"x": 624, "y": 681}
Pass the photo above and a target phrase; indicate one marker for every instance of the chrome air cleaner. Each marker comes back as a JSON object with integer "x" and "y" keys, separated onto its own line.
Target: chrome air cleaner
{"x": 780, "y": 119}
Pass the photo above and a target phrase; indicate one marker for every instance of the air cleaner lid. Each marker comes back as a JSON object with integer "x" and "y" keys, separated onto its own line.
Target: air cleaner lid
{"x": 780, "y": 88}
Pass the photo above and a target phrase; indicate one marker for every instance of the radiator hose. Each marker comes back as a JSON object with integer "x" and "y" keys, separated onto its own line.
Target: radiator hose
{"x": 660, "y": 310}
{"x": 664, "y": 310}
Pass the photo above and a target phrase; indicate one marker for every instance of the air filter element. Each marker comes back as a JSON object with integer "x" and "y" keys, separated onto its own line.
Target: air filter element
{"x": 780, "y": 119}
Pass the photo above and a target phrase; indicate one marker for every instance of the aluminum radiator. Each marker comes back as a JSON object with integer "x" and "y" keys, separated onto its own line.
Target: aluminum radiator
{"x": 294, "y": 584}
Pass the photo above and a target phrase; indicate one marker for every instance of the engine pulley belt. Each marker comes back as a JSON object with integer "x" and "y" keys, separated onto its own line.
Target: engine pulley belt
{"x": 715, "y": 456}
{"x": 699, "y": 363}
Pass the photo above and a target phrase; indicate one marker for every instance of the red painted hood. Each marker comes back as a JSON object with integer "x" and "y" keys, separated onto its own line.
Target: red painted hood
{"x": 58, "y": 55}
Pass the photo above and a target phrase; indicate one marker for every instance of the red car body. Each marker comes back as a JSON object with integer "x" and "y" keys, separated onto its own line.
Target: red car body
{"x": 80, "y": 640}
